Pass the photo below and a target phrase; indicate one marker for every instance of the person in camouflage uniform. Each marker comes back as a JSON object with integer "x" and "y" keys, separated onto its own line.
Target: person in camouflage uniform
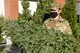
{"x": 56, "y": 21}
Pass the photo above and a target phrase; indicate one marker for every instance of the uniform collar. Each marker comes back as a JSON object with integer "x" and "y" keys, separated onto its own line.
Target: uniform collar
{"x": 57, "y": 20}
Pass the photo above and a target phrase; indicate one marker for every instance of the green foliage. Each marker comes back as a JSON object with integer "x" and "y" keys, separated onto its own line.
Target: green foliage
{"x": 69, "y": 13}
{"x": 0, "y": 51}
{"x": 26, "y": 12}
{"x": 36, "y": 39}
{"x": 1, "y": 20}
{"x": 43, "y": 7}
{"x": 1, "y": 23}
{"x": 31, "y": 36}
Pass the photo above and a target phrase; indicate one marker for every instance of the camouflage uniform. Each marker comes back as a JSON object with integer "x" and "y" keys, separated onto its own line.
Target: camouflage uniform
{"x": 60, "y": 25}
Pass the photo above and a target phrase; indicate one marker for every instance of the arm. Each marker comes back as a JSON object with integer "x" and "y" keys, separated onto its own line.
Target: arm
{"x": 68, "y": 28}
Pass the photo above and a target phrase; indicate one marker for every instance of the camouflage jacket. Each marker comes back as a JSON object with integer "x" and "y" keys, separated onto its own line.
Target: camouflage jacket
{"x": 60, "y": 25}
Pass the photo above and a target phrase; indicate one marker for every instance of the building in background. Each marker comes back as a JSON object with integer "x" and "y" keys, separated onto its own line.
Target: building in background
{"x": 11, "y": 9}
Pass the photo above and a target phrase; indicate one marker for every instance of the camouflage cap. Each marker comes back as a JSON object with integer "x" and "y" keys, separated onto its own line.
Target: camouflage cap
{"x": 55, "y": 5}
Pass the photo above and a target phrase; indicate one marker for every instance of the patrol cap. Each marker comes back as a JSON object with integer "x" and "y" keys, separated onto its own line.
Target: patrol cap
{"x": 55, "y": 5}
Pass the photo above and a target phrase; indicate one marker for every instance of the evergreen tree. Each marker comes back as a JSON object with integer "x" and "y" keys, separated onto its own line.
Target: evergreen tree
{"x": 26, "y": 12}
{"x": 69, "y": 13}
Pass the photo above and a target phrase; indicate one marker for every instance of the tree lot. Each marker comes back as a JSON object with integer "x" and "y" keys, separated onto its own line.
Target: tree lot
{"x": 27, "y": 32}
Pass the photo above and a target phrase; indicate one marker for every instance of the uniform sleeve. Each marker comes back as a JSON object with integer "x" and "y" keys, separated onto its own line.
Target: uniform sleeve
{"x": 45, "y": 23}
{"x": 68, "y": 28}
